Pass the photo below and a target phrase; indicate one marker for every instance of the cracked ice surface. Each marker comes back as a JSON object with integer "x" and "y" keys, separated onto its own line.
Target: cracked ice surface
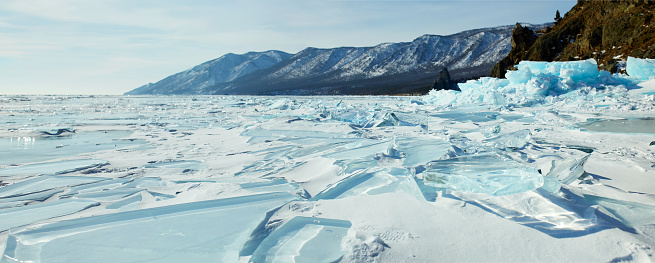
{"x": 557, "y": 158}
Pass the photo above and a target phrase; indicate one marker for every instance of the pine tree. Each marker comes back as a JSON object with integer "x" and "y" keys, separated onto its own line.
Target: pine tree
{"x": 557, "y": 17}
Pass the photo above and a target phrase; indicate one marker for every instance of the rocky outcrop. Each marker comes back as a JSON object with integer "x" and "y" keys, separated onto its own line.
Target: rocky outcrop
{"x": 605, "y": 30}
{"x": 444, "y": 82}
{"x": 522, "y": 39}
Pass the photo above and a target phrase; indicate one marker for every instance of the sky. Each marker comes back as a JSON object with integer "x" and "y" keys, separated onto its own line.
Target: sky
{"x": 113, "y": 46}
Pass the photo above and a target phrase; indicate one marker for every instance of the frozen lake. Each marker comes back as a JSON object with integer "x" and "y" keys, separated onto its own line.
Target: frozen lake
{"x": 322, "y": 179}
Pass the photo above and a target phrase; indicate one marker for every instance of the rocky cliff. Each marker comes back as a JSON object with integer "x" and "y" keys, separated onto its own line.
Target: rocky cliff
{"x": 605, "y": 30}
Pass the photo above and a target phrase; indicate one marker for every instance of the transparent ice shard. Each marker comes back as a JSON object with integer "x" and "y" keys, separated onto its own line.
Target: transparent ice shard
{"x": 304, "y": 239}
{"x": 630, "y": 213}
{"x": 206, "y": 231}
{"x": 641, "y": 69}
{"x": 182, "y": 164}
{"x": 487, "y": 173}
{"x": 420, "y": 151}
{"x": 352, "y": 115}
{"x": 551, "y": 214}
{"x": 568, "y": 170}
{"x": 551, "y": 184}
{"x": 281, "y": 104}
{"x": 58, "y": 167}
{"x": 428, "y": 192}
{"x": 516, "y": 139}
{"x": 382, "y": 119}
{"x": 45, "y": 182}
{"x": 24, "y": 215}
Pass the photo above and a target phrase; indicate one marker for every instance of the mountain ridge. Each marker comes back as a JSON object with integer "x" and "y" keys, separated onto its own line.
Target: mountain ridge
{"x": 386, "y": 68}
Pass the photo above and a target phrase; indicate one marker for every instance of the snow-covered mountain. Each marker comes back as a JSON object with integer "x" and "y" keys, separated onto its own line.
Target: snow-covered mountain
{"x": 224, "y": 69}
{"x": 387, "y": 68}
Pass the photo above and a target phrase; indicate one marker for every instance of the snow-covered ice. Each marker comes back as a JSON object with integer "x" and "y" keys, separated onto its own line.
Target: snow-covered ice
{"x": 555, "y": 163}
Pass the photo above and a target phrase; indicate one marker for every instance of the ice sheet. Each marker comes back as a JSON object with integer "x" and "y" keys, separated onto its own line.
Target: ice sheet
{"x": 197, "y": 231}
{"x": 59, "y": 167}
{"x": 18, "y": 150}
{"x": 6, "y": 202}
{"x": 19, "y": 216}
{"x": 640, "y": 125}
{"x": 45, "y": 182}
{"x": 498, "y": 162}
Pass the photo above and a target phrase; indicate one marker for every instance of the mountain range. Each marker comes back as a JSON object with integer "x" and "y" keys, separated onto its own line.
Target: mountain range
{"x": 388, "y": 68}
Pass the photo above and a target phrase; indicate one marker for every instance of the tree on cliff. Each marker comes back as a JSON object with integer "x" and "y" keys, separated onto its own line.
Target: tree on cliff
{"x": 558, "y": 17}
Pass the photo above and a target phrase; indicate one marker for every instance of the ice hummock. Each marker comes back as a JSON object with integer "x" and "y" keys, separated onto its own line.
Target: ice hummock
{"x": 641, "y": 69}
{"x": 575, "y": 82}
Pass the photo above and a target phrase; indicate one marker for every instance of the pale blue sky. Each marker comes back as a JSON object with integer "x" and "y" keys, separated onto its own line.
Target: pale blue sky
{"x": 113, "y": 46}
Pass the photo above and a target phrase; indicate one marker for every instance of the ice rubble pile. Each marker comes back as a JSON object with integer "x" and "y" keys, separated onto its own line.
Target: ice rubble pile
{"x": 539, "y": 82}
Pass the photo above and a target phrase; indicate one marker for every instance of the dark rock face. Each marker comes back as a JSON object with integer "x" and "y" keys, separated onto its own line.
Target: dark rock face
{"x": 444, "y": 82}
{"x": 606, "y": 30}
{"x": 522, "y": 39}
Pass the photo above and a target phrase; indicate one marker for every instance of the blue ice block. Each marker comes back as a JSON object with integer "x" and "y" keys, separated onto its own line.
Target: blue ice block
{"x": 487, "y": 173}
{"x": 641, "y": 69}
